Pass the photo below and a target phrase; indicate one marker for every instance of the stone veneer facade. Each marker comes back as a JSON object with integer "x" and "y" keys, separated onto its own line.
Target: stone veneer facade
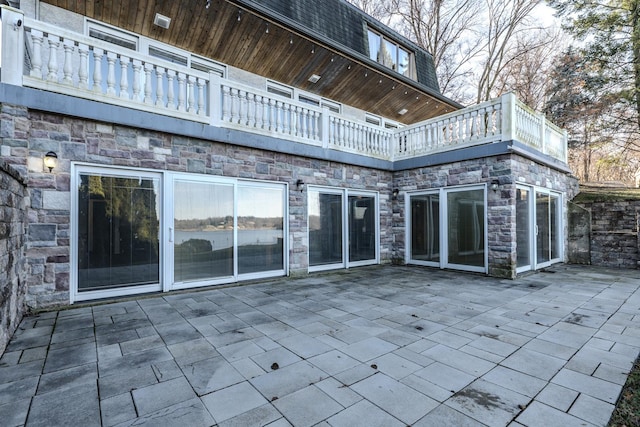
{"x": 508, "y": 170}
{"x": 13, "y": 278}
{"x": 28, "y": 134}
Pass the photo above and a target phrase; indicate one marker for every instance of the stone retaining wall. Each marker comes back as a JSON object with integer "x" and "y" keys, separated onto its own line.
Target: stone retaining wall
{"x": 13, "y": 220}
{"x": 615, "y": 237}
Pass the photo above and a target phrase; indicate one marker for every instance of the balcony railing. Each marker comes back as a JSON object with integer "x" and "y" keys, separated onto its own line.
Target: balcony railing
{"x": 50, "y": 58}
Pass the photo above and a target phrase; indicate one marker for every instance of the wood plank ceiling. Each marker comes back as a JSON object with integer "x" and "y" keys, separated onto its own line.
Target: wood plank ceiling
{"x": 236, "y": 36}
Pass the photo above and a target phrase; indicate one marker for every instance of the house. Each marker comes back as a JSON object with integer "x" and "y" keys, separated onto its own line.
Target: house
{"x": 172, "y": 145}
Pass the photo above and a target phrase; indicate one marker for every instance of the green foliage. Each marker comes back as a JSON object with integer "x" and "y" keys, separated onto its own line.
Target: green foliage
{"x": 627, "y": 411}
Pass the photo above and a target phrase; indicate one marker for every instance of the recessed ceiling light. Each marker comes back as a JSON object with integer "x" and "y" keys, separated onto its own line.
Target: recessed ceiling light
{"x": 162, "y": 21}
{"x": 403, "y": 111}
{"x": 314, "y": 78}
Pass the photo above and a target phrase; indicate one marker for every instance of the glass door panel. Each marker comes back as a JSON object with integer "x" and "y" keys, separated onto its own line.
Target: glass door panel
{"x": 465, "y": 228}
{"x": 425, "y": 227}
{"x": 548, "y": 243}
{"x": 203, "y": 224}
{"x": 362, "y": 228}
{"x": 543, "y": 229}
{"x": 325, "y": 228}
{"x": 260, "y": 229}
{"x": 523, "y": 228}
{"x": 118, "y": 231}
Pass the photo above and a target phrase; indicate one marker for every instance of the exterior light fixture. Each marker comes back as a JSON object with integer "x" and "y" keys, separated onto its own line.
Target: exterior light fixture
{"x": 50, "y": 160}
{"x": 495, "y": 184}
{"x": 314, "y": 78}
{"x": 403, "y": 111}
{"x": 300, "y": 185}
{"x": 267, "y": 30}
{"x": 239, "y": 15}
{"x": 394, "y": 194}
{"x": 162, "y": 21}
{"x": 207, "y": 4}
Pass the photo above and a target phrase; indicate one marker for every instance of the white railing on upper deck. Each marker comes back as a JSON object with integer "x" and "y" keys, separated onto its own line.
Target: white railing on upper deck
{"x": 66, "y": 62}
{"x": 475, "y": 125}
{"x": 70, "y": 63}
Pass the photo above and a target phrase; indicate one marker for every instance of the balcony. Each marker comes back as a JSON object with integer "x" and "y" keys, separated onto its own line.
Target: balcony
{"x": 50, "y": 58}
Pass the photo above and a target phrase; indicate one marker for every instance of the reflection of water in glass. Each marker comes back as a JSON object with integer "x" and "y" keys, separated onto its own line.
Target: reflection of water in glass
{"x": 223, "y": 239}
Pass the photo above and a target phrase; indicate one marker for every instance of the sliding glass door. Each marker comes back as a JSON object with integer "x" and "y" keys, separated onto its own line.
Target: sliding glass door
{"x": 202, "y": 234}
{"x": 449, "y": 234}
{"x": 343, "y": 228}
{"x": 538, "y": 228}
{"x": 139, "y": 231}
{"x": 547, "y": 228}
{"x": 117, "y": 233}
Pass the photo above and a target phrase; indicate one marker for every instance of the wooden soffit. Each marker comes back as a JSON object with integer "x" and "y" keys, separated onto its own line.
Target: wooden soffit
{"x": 231, "y": 33}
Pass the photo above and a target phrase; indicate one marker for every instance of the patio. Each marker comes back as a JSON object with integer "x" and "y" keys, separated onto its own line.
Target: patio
{"x": 386, "y": 346}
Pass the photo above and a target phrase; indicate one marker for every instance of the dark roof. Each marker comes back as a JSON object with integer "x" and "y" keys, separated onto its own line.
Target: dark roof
{"x": 345, "y": 25}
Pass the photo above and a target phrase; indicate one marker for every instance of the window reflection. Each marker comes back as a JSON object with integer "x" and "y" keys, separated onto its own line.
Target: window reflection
{"x": 118, "y": 232}
{"x": 203, "y": 221}
{"x": 260, "y": 229}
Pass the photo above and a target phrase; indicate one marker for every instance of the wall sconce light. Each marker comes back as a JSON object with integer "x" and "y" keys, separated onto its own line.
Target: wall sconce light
{"x": 50, "y": 160}
{"x": 300, "y": 185}
{"x": 495, "y": 185}
{"x": 394, "y": 194}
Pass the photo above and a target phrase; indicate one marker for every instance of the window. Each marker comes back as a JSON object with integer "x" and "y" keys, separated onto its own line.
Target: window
{"x": 279, "y": 89}
{"x": 112, "y": 35}
{"x": 390, "y": 54}
{"x": 373, "y": 120}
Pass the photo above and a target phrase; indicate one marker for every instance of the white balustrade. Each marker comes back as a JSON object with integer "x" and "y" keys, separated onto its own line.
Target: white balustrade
{"x": 73, "y": 64}
{"x": 70, "y": 63}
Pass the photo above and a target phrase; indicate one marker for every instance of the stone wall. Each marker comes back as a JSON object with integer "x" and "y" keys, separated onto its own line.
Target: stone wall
{"x": 13, "y": 283}
{"x": 615, "y": 237}
{"x": 508, "y": 171}
{"x": 30, "y": 134}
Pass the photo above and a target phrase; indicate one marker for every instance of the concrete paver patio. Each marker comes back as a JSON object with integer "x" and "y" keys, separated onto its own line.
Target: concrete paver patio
{"x": 379, "y": 346}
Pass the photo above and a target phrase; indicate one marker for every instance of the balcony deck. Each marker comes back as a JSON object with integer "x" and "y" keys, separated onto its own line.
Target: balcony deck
{"x": 69, "y": 63}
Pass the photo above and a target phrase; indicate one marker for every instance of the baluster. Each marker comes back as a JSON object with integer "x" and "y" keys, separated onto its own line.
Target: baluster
{"x": 83, "y": 71}
{"x": 272, "y": 112}
{"x": 474, "y": 125}
{"x": 264, "y": 103}
{"x": 111, "y": 73}
{"x": 137, "y": 69}
{"x": 171, "y": 90}
{"x": 298, "y": 118}
{"x": 191, "y": 101}
{"x": 242, "y": 95}
{"x": 304, "y": 126}
{"x": 54, "y": 44}
{"x": 182, "y": 89}
{"x": 67, "y": 68}
{"x": 259, "y": 112}
{"x": 124, "y": 77}
{"x": 148, "y": 89}
{"x": 201, "y": 109}
{"x": 36, "y": 58}
{"x": 288, "y": 128}
{"x": 97, "y": 70}
{"x": 332, "y": 130}
{"x": 235, "y": 106}
{"x": 226, "y": 101}
{"x": 315, "y": 131}
{"x": 251, "y": 110}
{"x": 279, "y": 116}
{"x": 159, "y": 86}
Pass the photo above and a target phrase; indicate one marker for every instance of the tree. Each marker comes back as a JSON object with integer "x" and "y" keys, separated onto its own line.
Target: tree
{"x": 576, "y": 104}
{"x": 610, "y": 35}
